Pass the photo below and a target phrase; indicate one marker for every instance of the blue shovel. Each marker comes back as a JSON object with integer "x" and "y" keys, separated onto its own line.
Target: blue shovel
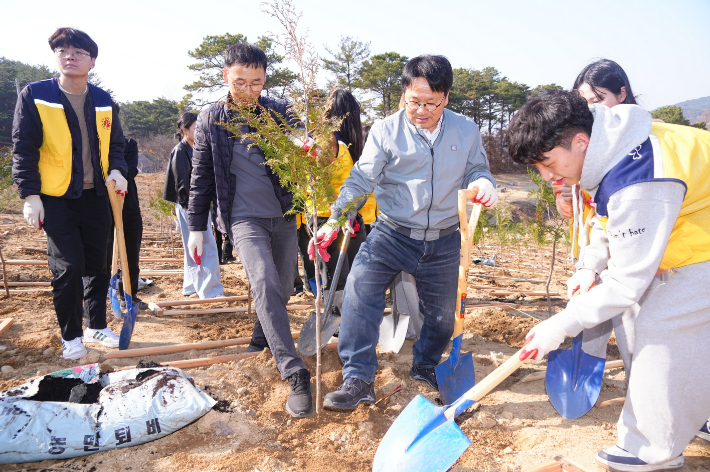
{"x": 456, "y": 375}
{"x": 113, "y": 287}
{"x": 573, "y": 380}
{"x": 129, "y": 319}
{"x": 425, "y": 437}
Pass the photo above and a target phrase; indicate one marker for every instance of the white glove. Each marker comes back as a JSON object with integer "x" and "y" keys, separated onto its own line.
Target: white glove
{"x": 581, "y": 281}
{"x": 487, "y": 194}
{"x": 542, "y": 339}
{"x": 300, "y": 143}
{"x": 194, "y": 246}
{"x": 120, "y": 182}
{"x": 34, "y": 211}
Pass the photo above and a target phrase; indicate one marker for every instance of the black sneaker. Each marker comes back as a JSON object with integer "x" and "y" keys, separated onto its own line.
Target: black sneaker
{"x": 300, "y": 401}
{"x": 428, "y": 375}
{"x": 350, "y": 394}
{"x": 142, "y": 306}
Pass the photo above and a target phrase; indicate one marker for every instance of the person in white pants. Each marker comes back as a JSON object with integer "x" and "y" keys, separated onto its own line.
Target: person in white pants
{"x": 651, "y": 186}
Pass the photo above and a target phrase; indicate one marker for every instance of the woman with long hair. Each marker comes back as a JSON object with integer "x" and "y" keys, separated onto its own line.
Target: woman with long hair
{"x": 344, "y": 149}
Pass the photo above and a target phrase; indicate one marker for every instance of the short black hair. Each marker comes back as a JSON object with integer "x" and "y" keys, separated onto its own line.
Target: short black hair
{"x": 435, "y": 69}
{"x": 548, "y": 119}
{"x": 246, "y": 54}
{"x": 607, "y": 74}
{"x": 65, "y": 37}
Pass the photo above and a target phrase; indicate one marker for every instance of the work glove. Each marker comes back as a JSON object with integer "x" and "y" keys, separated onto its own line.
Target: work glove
{"x": 487, "y": 194}
{"x": 543, "y": 338}
{"x": 305, "y": 145}
{"x": 324, "y": 237}
{"x": 34, "y": 211}
{"x": 194, "y": 246}
{"x": 581, "y": 282}
{"x": 120, "y": 182}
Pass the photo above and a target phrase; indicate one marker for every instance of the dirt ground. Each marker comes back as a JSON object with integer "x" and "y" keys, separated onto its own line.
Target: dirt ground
{"x": 513, "y": 428}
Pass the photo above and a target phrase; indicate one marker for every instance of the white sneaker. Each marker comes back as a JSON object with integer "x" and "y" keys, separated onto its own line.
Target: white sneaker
{"x": 105, "y": 337}
{"x": 620, "y": 460}
{"x": 73, "y": 349}
{"x": 704, "y": 431}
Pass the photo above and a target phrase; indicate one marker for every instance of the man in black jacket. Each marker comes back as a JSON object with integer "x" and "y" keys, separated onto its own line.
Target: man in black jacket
{"x": 251, "y": 204}
{"x": 67, "y": 140}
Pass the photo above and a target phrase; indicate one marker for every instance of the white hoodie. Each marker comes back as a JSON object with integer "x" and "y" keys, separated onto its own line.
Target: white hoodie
{"x": 641, "y": 218}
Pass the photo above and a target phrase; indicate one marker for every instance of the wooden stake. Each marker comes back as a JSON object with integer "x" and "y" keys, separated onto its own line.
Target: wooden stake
{"x": 4, "y": 275}
{"x": 612, "y": 402}
{"x": 29, "y": 284}
{"x": 157, "y": 350}
{"x": 5, "y": 324}
{"x": 207, "y": 311}
{"x": 157, "y": 305}
{"x": 205, "y": 361}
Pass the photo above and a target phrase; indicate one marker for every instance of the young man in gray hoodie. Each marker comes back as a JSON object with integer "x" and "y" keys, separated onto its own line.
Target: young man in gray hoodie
{"x": 415, "y": 161}
{"x": 650, "y": 246}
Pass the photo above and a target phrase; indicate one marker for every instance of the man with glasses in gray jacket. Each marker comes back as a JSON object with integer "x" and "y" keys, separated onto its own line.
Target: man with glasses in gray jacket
{"x": 415, "y": 160}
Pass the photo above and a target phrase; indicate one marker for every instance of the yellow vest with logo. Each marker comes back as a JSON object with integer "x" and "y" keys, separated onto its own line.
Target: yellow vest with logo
{"x": 677, "y": 153}
{"x": 55, "y": 154}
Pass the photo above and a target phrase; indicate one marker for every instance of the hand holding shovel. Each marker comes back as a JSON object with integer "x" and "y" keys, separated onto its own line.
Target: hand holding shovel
{"x": 129, "y": 319}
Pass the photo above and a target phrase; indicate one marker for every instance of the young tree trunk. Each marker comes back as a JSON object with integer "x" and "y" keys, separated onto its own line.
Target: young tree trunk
{"x": 4, "y": 275}
{"x": 319, "y": 292}
{"x": 549, "y": 277}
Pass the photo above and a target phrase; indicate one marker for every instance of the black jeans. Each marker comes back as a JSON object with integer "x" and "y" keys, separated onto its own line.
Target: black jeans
{"x": 132, "y": 234}
{"x": 77, "y": 233}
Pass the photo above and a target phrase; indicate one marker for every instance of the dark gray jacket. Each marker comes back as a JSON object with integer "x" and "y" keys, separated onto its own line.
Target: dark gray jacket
{"x": 212, "y": 160}
{"x": 177, "y": 175}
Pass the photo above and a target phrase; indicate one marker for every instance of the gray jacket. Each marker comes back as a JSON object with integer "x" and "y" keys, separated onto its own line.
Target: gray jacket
{"x": 416, "y": 183}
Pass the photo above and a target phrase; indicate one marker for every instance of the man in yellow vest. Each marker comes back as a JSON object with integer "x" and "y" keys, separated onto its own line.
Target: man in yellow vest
{"x": 651, "y": 187}
{"x": 67, "y": 140}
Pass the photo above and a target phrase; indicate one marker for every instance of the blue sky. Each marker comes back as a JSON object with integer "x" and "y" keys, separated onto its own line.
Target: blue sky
{"x": 662, "y": 45}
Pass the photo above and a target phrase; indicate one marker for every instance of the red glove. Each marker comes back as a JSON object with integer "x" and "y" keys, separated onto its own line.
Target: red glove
{"x": 324, "y": 238}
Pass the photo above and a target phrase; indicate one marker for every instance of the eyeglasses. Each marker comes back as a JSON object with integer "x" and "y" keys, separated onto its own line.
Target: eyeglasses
{"x": 243, "y": 85}
{"x": 412, "y": 105}
{"x": 75, "y": 54}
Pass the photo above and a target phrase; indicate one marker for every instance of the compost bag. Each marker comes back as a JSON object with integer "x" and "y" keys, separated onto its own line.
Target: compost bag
{"x": 82, "y": 410}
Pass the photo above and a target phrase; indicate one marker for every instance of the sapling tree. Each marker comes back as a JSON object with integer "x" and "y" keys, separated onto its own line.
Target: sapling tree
{"x": 296, "y": 147}
{"x": 548, "y": 222}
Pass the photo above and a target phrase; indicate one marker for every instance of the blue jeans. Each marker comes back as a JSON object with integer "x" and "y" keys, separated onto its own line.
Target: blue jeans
{"x": 434, "y": 265}
{"x": 203, "y": 279}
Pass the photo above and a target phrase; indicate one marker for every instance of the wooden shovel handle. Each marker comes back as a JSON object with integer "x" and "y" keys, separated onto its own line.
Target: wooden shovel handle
{"x": 117, "y": 207}
{"x": 468, "y": 228}
{"x": 491, "y": 381}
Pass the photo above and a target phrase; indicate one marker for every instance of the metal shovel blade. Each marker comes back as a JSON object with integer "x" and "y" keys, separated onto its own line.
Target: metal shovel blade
{"x": 456, "y": 375}
{"x": 393, "y": 332}
{"x": 411, "y": 445}
{"x": 129, "y": 321}
{"x": 573, "y": 380}
{"x": 307, "y": 337}
{"x": 113, "y": 291}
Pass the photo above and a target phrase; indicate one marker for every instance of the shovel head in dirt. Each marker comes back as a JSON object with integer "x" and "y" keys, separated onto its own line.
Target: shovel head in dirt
{"x": 573, "y": 380}
{"x": 307, "y": 338}
{"x": 457, "y": 373}
{"x": 425, "y": 438}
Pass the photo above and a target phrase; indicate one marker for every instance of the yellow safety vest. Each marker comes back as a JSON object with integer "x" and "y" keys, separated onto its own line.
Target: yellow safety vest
{"x": 672, "y": 153}
{"x": 55, "y": 154}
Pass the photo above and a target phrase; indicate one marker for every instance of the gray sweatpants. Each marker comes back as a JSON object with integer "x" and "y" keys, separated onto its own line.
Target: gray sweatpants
{"x": 267, "y": 249}
{"x": 667, "y": 399}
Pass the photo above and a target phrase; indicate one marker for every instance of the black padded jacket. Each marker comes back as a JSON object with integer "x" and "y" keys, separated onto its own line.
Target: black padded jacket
{"x": 212, "y": 160}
